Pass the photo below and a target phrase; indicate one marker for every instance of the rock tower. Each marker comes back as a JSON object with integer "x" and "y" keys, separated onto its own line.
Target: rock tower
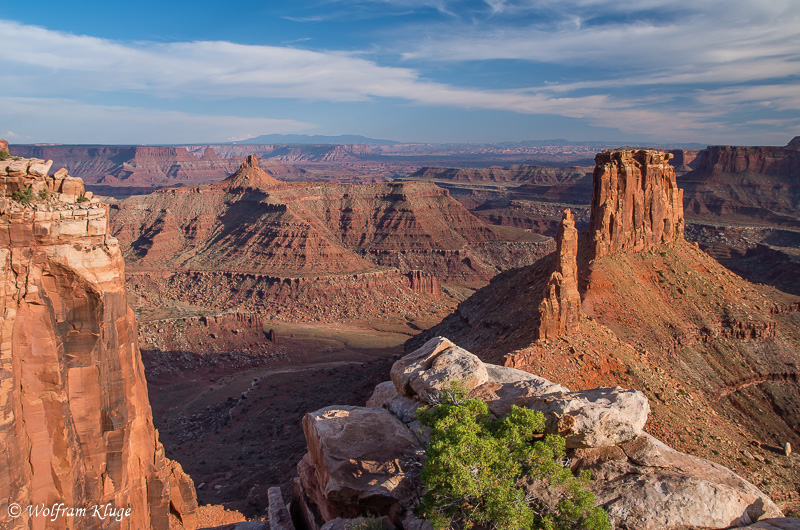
{"x": 560, "y": 310}
{"x": 636, "y": 203}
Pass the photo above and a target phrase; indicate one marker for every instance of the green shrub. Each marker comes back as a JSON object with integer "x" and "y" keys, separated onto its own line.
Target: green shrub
{"x": 24, "y": 196}
{"x": 4, "y": 155}
{"x": 82, "y": 198}
{"x": 500, "y": 474}
{"x": 44, "y": 194}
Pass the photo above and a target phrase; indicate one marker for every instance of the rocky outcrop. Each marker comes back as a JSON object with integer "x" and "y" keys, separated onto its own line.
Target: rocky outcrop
{"x": 121, "y": 166}
{"x": 312, "y": 250}
{"x": 422, "y": 283}
{"x": 685, "y": 160}
{"x": 279, "y": 518}
{"x": 18, "y": 174}
{"x": 3, "y": 145}
{"x": 560, "y": 310}
{"x": 249, "y": 176}
{"x": 669, "y": 320}
{"x": 77, "y": 427}
{"x": 739, "y": 184}
{"x": 209, "y": 154}
{"x": 357, "y": 462}
{"x": 515, "y": 173}
{"x": 641, "y": 482}
{"x": 669, "y": 489}
{"x": 636, "y": 203}
{"x": 766, "y": 160}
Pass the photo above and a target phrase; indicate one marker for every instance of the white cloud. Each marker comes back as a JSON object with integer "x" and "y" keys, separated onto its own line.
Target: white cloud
{"x": 52, "y": 73}
{"x": 46, "y": 60}
{"x": 69, "y": 121}
{"x": 694, "y": 39}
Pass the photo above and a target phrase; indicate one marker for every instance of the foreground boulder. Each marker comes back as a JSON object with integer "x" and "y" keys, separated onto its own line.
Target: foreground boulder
{"x": 434, "y": 366}
{"x": 599, "y": 417}
{"x": 645, "y": 484}
{"x": 357, "y": 462}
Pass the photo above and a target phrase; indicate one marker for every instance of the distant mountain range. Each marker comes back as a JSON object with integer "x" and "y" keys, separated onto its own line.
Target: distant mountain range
{"x": 359, "y": 139}
{"x": 315, "y": 139}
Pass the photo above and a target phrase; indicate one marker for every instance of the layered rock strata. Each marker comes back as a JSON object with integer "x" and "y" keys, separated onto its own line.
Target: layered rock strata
{"x": 77, "y": 428}
{"x": 560, "y": 310}
{"x": 422, "y": 283}
{"x": 113, "y": 166}
{"x": 766, "y": 160}
{"x": 641, "y": 482}
{"x": 310, "y": 249}
{"x": 636, "y": 202}
{"x": 737, "y": 184}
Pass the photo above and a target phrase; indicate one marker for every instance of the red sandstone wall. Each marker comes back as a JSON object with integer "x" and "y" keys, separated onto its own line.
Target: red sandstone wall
{"x": 76, "y": 424}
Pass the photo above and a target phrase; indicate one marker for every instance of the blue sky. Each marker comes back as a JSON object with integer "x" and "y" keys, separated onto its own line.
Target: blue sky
{"x": 714, "y": 72}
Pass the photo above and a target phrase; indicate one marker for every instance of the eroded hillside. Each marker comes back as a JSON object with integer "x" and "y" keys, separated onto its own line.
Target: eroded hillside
{"x": 323, "y": 250}
{"x": 717, "y": 356}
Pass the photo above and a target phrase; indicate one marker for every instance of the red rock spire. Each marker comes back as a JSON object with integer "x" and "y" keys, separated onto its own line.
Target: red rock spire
{"x": 560, "y": 311}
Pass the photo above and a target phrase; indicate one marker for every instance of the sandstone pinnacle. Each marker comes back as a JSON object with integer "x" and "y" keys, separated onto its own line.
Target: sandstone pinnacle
{"x": 559, "y": 311}
{"x": 250, "y": 176}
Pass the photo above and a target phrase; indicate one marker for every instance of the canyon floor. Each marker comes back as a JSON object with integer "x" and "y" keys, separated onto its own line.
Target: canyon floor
{"x": 233, "y": 420}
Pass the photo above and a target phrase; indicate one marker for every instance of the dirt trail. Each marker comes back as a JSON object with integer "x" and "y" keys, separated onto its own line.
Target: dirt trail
{"x": 757, "y": 379}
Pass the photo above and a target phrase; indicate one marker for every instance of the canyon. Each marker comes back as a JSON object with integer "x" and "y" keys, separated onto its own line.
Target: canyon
{"x": 254, "y": 282}
{"x": 122, "y": 171}
{"x": 312, "y": 250}
{"x": 264, "y": 295}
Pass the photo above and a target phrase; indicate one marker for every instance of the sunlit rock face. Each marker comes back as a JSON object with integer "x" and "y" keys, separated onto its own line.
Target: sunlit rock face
{"x": 76, "y": 425}
{"x": 636, "y": 203}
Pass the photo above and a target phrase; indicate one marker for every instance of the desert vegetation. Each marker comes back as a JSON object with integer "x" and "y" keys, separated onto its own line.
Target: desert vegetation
{"x": 504, "y": 474}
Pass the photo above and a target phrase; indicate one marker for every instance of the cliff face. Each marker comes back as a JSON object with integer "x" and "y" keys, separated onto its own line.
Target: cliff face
{"x": 77, "y": 427}
{"x": 139, "y": 166}
{"x": 514, "y": 173}
{"x": 685, "y": 160}
{"x": 743, "y": 184}
{"x": 768, "y": 160}
{"x": 636, "y": 203}
{"x": 297, "y": 152}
